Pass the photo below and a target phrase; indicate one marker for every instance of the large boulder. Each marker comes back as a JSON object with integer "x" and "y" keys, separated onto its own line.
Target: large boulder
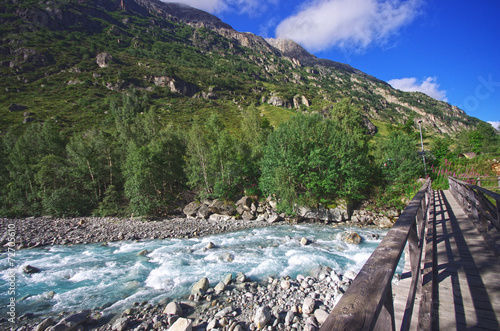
{"x": 203, "y": 211}
{"x": 383, "y": 222}
{"x": 103, "y": 59}
{"x": 191, "y": 208}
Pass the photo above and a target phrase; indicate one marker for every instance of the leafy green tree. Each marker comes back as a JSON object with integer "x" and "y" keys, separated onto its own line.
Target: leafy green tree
{"x": 399, "y": 158}
{"x": 441, "y": 148}
{"x": 24, "y": 153}
{"x": 94, "y": 165}
{"x": 215, "y": 159}
{"x": 308, "y": 160}
{"x": 154, "y": 173}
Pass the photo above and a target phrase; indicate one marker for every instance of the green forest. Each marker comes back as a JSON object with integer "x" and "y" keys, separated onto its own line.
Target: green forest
{"x": 144, "y": 168}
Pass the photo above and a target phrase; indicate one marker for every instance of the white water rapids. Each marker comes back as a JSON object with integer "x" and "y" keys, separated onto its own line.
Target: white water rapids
{"x": 112, "y": 277}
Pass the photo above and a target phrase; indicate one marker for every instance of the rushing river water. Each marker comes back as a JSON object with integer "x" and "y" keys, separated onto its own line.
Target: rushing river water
{"x": 112, "y": 277}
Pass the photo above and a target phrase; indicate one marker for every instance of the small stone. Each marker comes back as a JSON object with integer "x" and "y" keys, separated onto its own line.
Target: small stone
{"x": 120, "y": 324}
{"x": 173, "y": 308}
{"x": 321, "y": 316}
{"x": 289, "y": 318}
{"x": 262, "y": 316}
{"x": 48, "y": 295}
{"x": 349, "y": 275}
{"x": 212, "y": 324}
{"x": 44, "y": 324}
{"x": 308, "y": 305}
{"x": 304, "y": 241}
{"x": 227, "y": 279}
{"x": 285, "y": 284}
{"x": 210, "y": 245}
{"x": 182, "y": 324}
{"x": 143, "y": 252}
{"x": 200, "y": 287}
{"x": 220, "y": 287}
{"x": 241, "y": 278}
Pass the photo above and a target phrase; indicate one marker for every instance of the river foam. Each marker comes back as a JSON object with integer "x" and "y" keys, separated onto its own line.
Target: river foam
{"x": 112, "y": 277}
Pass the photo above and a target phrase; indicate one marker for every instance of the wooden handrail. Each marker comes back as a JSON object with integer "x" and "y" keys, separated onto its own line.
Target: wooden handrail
{"x": 368, "y": 303}
{"x": 473, "y": 200}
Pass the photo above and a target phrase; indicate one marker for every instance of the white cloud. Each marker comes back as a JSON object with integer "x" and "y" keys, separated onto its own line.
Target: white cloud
{"x": 429, "y": 86}
{"x": 219, "y": 6}
{"x": 496, "y": 125}
{"x": 357, "y": 24}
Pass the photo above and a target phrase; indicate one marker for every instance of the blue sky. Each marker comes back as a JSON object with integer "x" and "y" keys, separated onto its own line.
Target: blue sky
{"x": 447, "y": 49}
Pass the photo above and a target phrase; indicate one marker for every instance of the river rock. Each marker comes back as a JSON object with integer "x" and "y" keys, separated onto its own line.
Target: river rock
{"x": 311, "y": 324}
{"x": 210, "y": 245}
{"x": 219, "y": 218}
{"x": 351, "y": 238}
{"x": 383, "y": 222}
{"x": 48, "y": 295}
{"x": 304, "y": 241}
{"x": 46, "y": 323}
{"x": 227, "y": 279}
{"x": 245, "y": 202}
{"x": 143, "y": 252}
{"x": 201, "y": 286}
{"x": 308, "y": 306}
{"x": 30, "y": 270}
{"x": 289, "y": 318}
{"x": 321, "y": 272}
{"x": 349, "y": 275}
{"x": 191, "y": 209}
{"x": 220, "y": 287}
{"x": 120, "y": 324}
{"x": 248, "y": 216}
{"x": 203, "y": 212}
{"x": 262, "y": 316}
{"x": 173, "y": 308}
{"x": 182, "y": 324}
{"x": 320, "y": 315}
{"x": 241, "y": 278}
{"x": 71, "y": 322}
{"x": 227, "y": 257}
{"x": 273, "y": 217}
{"x": 285, "y": 284}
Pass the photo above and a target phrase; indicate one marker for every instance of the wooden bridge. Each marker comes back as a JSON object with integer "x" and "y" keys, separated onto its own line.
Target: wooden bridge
{"x": 451, "y": 280}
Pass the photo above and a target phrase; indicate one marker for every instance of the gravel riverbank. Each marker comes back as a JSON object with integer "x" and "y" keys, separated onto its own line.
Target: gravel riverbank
{"x": 42, "y": 231}
{"x": 235, "y": 303}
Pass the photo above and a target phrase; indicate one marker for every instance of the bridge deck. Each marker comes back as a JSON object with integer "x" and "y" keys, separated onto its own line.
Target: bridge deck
{"x": 466, "y": 274}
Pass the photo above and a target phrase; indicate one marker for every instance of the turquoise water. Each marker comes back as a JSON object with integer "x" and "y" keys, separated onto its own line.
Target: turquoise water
{"x": 110, "y": 278}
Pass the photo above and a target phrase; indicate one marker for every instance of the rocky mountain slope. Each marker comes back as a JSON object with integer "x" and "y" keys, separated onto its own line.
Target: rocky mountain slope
{"x": 70, "y": 60}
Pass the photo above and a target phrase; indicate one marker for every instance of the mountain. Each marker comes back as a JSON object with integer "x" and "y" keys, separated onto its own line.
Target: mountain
{"x": 70, "y": 60}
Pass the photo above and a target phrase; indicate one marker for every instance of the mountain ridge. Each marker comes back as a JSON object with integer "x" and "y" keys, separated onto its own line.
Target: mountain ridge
{"x": 194, "y": 48}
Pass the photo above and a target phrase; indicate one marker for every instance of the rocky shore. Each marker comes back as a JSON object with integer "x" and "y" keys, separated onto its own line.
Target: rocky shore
{"x": 203, "y": 218}
{"x": 233, "y": 304}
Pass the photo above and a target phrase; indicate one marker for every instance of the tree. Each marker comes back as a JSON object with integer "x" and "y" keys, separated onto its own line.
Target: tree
{"x": 215, "y": 159}
{"x": 154, "y": 172}
{"x": 24, "y": 153}
{"x": 308, "y": 160}
{"x": 399, "y": 158}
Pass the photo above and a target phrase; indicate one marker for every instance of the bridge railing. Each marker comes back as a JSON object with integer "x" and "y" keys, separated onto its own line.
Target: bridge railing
{"x": 474, "y": 200}
{"x": 368, "y": 303}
